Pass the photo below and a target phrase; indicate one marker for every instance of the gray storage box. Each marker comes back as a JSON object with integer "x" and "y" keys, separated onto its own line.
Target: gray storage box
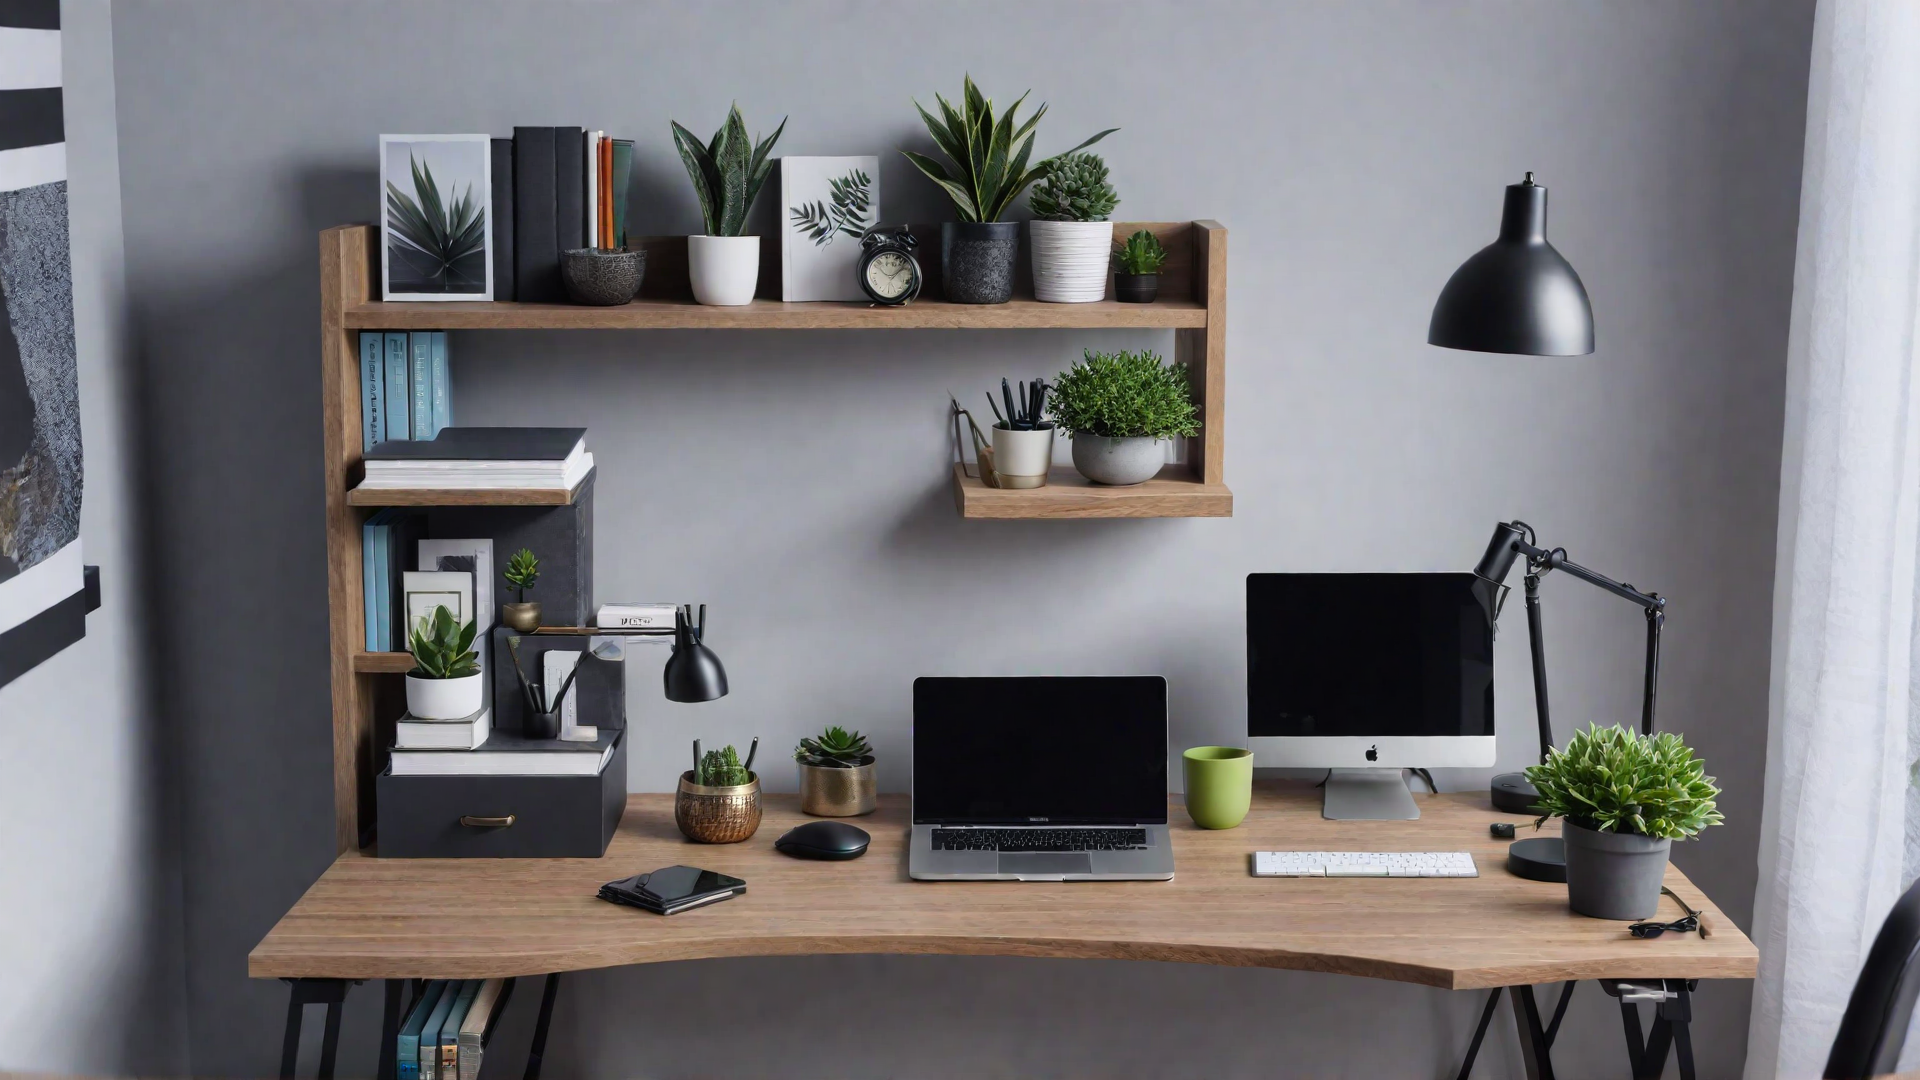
{"x": 554, "y": 817}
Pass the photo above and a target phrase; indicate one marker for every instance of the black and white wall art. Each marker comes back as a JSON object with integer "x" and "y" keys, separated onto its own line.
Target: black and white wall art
{"x": 435, "y": 233}
{"x": 826, "y": 204}
{"x": 43, "y": 585}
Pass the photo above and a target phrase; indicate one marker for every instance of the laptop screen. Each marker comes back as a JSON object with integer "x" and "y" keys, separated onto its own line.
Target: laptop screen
{"x": 1031, "y": 751}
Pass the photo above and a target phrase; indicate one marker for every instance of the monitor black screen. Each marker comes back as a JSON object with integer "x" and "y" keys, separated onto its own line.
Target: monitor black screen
{"x": 1370, "y": 655}
{"x": 1025, "y": 750}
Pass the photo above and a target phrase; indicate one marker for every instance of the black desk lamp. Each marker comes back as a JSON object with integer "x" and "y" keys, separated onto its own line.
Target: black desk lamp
{"x": 693, "y": 672}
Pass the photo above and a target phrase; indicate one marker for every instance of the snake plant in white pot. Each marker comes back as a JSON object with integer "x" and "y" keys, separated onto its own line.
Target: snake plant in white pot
{"x": 727, "y": 171}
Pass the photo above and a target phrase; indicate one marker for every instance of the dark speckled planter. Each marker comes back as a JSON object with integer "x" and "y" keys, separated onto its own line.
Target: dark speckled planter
{"x": 602, "y": 277}
{"x": 977, "y": 260}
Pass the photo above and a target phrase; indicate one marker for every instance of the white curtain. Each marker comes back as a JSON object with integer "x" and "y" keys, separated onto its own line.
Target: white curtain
{"x": 1841, "y": 808}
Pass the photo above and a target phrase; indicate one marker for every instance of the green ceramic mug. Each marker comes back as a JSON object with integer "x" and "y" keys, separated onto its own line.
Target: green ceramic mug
{"x": 1219, "y": 785}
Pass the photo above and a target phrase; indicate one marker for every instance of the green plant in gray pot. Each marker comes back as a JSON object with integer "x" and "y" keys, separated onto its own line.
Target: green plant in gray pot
{"x": 836, "y": 774}
{"x": 986, "y": 168}
{"x": 1624, "y": 799}
{"x": 1118, "y": 408}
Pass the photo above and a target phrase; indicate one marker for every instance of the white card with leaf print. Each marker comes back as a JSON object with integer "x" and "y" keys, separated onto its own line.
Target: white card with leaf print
{"x": 826, "y": 203}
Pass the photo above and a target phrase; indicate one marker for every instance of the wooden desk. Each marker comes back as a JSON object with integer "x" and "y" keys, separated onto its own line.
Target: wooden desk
{"x": 370, "y": 918}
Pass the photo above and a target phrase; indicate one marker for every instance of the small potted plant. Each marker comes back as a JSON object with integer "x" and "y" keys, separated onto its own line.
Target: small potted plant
{"x": 986, "y": 169}
{"x": 522, "y": 571}
{"x": 836, "y": 774}
{"x": 727, "y": 171}
{"x": 1072, "y": 238}
{"x": 1118, "y": 408}
{"x": 1022, "y": 441}
{"x": 445, "y": 681}
{"x": 1136, "y": 268}
{"x": 718, "y": 801}
{"x": 1625, "y": 798}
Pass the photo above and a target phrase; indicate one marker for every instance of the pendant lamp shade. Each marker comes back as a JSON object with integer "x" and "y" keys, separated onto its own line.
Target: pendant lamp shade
{"x": 1517, "y": 294}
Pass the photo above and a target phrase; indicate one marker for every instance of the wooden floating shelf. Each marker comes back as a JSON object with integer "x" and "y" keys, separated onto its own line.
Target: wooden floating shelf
{"x": 383, "y": 663}
{"x": 1176, "y": 492}
{"x": 668, "y": 314}
{"x": 366, "y": 496}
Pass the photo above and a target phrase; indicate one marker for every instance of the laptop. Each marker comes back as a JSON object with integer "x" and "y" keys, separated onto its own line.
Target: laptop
{"x": 1040, "y": 779}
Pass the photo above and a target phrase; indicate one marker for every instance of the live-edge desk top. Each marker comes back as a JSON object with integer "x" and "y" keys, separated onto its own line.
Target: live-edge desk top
{"x": 372, "y": 918}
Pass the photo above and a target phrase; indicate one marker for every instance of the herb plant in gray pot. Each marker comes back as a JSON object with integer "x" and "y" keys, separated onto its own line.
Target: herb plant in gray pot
{"x": 1624, "y": 799}
{"x": 986, "y": 169}
{"x": 1119, "y": 408}
{"x": 836, "y": 774}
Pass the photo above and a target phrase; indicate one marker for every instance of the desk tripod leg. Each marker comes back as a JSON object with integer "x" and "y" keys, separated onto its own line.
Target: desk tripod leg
{"x": 539, "y": 1048}
{"x": 1479, "y": 1033}
{"x": 1535, "y": 1050}
{"x": 304, "y": 992}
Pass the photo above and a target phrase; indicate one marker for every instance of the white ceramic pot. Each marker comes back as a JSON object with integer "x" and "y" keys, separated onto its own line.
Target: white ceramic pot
{"x": 444, "y": 699}
{"x": 1070, "y": 260}
{"x": 1117, "y": 462}
{"x": 725, "y": 269}
{"x": 1021, "y": 458}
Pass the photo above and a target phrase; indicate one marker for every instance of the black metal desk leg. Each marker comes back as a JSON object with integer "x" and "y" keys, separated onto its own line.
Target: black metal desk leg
{"x": 1479, "y": 1033}
{"x": 539, "y": 1048}
{"x": 303, "y": 992}
{"x": 390, "y": 1030}
{"x": 1535, "y": 1051}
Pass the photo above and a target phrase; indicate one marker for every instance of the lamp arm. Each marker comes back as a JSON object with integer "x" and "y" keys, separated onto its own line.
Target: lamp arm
{"x": 1654, "y": 604}
{"x": 1557, "y": 560}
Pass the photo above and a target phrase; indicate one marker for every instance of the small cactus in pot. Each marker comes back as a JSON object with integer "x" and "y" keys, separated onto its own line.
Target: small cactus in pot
{"x": 718, "y": 800}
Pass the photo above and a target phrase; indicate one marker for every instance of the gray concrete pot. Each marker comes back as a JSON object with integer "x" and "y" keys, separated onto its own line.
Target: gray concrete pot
{"x": 977, "y": 260}
{"x": 1613, "y": 875}
{"x": 1117, "y": 462}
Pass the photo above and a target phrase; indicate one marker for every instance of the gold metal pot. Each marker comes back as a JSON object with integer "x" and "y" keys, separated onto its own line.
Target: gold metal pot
{"x": 830, "y": 792}
{"x": 717, "y": 815}
{"x": 522, "y": 617}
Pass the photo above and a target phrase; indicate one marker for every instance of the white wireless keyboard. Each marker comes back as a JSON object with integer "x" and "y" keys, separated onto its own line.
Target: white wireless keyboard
{"x": 1363, "y": 864}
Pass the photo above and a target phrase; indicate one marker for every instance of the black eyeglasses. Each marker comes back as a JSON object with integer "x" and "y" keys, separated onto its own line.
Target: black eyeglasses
{"x": 1651, "y": 929}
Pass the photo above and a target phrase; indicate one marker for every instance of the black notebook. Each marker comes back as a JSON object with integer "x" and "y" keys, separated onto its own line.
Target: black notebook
{"x": 485, "y": 444}
{"x": 672, "y": 888}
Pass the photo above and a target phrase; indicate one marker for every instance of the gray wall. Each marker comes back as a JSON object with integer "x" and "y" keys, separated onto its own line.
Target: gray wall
{"x": 90, "y": 894}
{"x": 797, "y": 482}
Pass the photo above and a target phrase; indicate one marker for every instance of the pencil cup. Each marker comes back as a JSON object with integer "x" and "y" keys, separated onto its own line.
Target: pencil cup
{"x": 1219, "y": 781}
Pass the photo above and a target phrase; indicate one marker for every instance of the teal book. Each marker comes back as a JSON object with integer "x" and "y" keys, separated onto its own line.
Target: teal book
{"x": 396, "y": 365}
{"x": 369, "y": 584}
{"x": 373, "y": 391}
{"x": 407, "y": 1048}
{"x": 442, "y": 385}
{"x": 429, "y": 1049}
{"x": 383, "y": 581}
{"x": 450, "y": 1031}
{"x": 421, "y": 399}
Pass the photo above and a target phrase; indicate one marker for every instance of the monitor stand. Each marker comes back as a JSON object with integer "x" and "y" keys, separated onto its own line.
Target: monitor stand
{"x": 1368, "y": 795}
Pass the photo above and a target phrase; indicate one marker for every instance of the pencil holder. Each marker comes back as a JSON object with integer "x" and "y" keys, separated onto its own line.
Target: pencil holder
{"x": 717, "y": 815}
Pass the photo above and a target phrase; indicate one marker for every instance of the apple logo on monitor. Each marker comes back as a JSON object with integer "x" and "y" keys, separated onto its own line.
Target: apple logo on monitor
{"x": 1373, "y": 753}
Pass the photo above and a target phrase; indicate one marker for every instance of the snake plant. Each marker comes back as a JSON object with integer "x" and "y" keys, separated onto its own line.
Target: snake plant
{"x": 986, "y": 167}
{"x": 727, "y": 171}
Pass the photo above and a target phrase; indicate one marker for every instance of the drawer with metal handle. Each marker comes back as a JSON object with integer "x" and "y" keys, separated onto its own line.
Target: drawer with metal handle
{"x": 501, "y": 817}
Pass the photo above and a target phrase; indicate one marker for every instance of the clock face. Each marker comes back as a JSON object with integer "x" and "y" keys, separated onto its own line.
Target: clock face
{"x": 890, "y": 274}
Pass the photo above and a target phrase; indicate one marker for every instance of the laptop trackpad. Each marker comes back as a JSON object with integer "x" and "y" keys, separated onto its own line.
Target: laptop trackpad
{"x": 1045, "y": 863}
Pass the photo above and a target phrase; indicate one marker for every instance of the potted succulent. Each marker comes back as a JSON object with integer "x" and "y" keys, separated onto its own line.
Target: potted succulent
{"x": 727, "y": 172}
{"x": 836, "y": 774}
{"x": 1625, "y": 798}
{"x": 1072, "y": 239}
{"x": 1136, "y": 268}
{"x": 718, "y": 801}
{"x": 445, "y": 681}
{"x": 1022, "y": 442}
{"x": 986, "y": 169}
{"x": 1118, "y": 408}
{"x": 521, "y": 572}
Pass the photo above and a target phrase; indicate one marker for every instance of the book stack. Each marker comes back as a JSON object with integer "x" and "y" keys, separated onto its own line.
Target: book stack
{"x": 568, "y": 189}
{"x": 507, "y": 753}
{"x": 446, "y": 1033}
{"x": 483, "y": 459}
{"x": 406, "y": 389}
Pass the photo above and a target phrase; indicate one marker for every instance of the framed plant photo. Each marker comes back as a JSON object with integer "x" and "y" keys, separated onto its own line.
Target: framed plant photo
{"x": 436, "y": 236}
{"x": 826, "y": 204}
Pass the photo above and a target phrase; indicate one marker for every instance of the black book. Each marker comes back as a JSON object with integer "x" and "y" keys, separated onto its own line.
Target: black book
{"x": 503, "y": 219}
{"x": 570, "y": 188}
{"x": 536, "y": 246}
{"x": 485, "y": 444}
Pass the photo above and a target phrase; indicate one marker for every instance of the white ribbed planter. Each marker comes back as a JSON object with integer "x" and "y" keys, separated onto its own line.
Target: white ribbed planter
{"x": 725, "y": 270}
{"x": 1070, "y": 260}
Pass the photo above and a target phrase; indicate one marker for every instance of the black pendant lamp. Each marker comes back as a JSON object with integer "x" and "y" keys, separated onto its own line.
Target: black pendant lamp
{"x": 693, "y": 672}
{"x": 1517, "y": 294}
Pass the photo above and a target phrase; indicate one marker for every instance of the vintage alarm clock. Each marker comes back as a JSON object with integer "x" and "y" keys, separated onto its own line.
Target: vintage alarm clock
{"x": 888, "y": 271}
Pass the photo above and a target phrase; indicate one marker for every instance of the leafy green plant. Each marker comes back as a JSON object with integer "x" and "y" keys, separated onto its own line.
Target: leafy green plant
{"x": 727, "y": 171}
{"x": 1614, "y": 780}
{"x": 442, "y": 648}
{"x": 1124, "y": 395}
{"x": 1141, "y": 253}
{"x": 722, "y": 768}
{"x": 1024, "y": 414}
{"x": 849, "y": 213}
{"x": 522, "y": 571}
{"x": 836, "y": 748}
{"x": 986, "y": 167}
{"x": 1076, "y": 190}
{"x": 446, "y": 241}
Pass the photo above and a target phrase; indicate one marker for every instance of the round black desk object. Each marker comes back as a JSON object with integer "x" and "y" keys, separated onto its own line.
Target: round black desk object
{"x": 1538, "y": 858}
{"x": 1513, "y": 795}
{"x": 834, "y": 840}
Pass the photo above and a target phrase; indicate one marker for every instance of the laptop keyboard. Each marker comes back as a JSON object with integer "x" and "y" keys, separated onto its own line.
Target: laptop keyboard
{"x": 1039, "y": 839}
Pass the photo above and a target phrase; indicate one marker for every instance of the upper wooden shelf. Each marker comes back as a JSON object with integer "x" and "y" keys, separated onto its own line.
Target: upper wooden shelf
{"x": 366, "y": 496}
{"x": 669, "y": 314}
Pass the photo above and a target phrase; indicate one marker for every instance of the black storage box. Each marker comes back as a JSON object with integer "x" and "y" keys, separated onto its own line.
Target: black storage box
{"x": 561, "y": 536}
{"x": 554, "y": 817}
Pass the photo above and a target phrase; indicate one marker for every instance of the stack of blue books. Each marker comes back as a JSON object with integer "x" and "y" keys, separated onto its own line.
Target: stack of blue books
{"x": 406, "y": 391}
{"x": 445, "y": 1034}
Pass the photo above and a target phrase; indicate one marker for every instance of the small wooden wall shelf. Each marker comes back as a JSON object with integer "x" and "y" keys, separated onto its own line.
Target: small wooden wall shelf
{"x": 1176, "y": 492}
{"x": 652, "y": 314}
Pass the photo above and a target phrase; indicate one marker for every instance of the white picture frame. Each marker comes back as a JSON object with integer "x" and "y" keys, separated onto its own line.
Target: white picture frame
{"x": 460, "y": 170}
{"x": 824, "y": 207}
{"x": 425, "y": 590}
{"x": 446, "y": 555}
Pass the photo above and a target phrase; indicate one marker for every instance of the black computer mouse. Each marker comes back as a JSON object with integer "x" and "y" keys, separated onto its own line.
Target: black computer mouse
{"x": 823, "y": 840}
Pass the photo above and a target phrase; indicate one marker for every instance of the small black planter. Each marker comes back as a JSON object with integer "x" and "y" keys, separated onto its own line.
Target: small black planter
{"x": 1136, "y": 288}
{"x": 977, "y": 260}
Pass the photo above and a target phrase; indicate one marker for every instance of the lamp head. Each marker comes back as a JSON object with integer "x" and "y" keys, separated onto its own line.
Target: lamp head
{"x": 1517, "y": 294}
{"x": 693, "y": 673}
{"x": 1490, "y": 573}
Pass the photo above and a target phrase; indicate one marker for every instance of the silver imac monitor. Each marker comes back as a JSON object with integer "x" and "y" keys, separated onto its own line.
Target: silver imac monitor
{"x": 1368, "y": 674}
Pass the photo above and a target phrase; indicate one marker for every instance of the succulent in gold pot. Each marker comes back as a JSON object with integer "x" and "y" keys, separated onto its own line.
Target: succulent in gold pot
{"x": 836, "y": 774}
{"x": 521, "y": 572}
{"x": 718, "y": 801}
